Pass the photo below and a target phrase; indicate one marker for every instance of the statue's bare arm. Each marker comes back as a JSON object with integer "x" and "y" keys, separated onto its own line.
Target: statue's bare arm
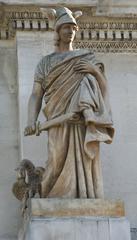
{"x": 34, "y": 107}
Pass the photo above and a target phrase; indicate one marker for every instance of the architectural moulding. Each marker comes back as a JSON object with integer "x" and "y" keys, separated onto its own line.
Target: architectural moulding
{"x": 101, "y": 33}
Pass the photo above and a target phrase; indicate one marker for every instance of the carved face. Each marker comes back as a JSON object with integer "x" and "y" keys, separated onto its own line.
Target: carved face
{"x": 67, "y": 32}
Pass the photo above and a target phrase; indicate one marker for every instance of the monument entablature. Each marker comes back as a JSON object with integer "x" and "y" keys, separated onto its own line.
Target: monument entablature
{"x": 108, "y": 33}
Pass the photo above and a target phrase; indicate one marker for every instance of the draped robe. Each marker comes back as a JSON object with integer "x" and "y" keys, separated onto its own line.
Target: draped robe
{"x": 73, "y": 165}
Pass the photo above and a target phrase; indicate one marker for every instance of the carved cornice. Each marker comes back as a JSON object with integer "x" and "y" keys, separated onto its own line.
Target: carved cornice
{"x": 101, "y": 33}
{"x": 109, "y": 46}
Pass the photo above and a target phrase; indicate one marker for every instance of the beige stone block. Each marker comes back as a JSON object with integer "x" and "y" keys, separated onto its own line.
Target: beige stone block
{"x": 76, "y": 207}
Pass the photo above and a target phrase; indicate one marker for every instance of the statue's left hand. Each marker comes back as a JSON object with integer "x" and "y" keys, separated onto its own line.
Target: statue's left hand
{"x": 85, "y": 66}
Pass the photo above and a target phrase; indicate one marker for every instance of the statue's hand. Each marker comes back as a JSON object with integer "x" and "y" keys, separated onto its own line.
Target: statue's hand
{"x": 30, "y": 130}
{"x": 85, "y": 66}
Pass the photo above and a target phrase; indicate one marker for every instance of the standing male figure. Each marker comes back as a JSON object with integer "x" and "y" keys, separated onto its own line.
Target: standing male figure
{"x": 71, "y": 81}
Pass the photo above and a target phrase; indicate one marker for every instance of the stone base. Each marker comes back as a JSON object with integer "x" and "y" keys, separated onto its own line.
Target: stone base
{"x": 65, "y": 220}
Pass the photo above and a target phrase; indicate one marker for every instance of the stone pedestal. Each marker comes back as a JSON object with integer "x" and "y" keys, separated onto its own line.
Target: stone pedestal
{"x": 75, "y": 219}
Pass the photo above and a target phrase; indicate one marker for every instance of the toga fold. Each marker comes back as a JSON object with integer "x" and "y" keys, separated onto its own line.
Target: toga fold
{"x": 73, "y": 165}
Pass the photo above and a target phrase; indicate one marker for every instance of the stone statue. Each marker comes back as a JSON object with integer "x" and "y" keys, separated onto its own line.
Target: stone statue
{"x": 73, "y": 85}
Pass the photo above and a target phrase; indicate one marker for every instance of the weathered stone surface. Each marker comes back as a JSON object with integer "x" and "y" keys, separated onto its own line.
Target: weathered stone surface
{"x": 76, "y": 207}
{"x": 30, "y": 50}
{"x": 78, "y": 229}
{"x": 119, "y": 231}
{"x": 9, "y": 146}
{"x": 116, "y": 7}
{"x": 88, "y": 228}
{"x": 63, "y": 219}
{"x": 89, "y": 2}
{"x": 133, "y": 233}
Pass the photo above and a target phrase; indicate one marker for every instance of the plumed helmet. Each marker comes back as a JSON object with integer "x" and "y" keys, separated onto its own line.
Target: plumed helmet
{"x": 60, "y": 16}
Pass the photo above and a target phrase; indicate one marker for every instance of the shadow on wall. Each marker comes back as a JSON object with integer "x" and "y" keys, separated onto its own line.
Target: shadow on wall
{"x": 133, "y": 233}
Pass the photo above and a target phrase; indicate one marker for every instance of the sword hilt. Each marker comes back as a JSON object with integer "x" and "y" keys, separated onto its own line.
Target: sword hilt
{"x": 38, "y": 131}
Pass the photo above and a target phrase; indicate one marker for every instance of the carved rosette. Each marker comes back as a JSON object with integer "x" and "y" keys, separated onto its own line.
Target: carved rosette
{"x": 101, "y": 33}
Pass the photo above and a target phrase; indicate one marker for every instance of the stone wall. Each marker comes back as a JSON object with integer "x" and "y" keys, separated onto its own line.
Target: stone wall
{"x": 9, "y": 146}
{"x": 104, "y": 6}
{"x": 124, "y": 7}
{"x": 119, "y": 159}
{"x": 45, "y": 2}
{"x": 30, "y": 49}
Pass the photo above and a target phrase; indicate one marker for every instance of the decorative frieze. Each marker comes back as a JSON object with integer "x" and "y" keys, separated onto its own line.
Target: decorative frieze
{"x": 108, "y": 46}
{"x": 102, "y": 34}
